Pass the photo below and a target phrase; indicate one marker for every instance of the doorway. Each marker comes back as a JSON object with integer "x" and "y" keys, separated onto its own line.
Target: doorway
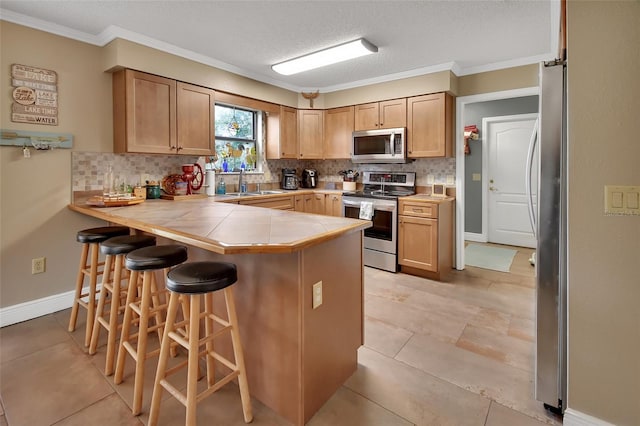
{"x": 469, "y": 187}
{"x": 505, "y": 197}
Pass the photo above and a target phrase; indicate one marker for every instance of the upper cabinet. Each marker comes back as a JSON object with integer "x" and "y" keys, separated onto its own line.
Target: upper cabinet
{"x": 310, "y": 133}
{"x": 195, "y": 119}
{"x": 381, "y": 115}
{"x": 338, "y": 127}
{"x": 153, "y": 114}
{"x": 282, "y": 134}
{"x": 430, "y": 126}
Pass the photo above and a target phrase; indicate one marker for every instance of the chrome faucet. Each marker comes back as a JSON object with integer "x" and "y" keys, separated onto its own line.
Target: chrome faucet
{"x": 240, "y": 188}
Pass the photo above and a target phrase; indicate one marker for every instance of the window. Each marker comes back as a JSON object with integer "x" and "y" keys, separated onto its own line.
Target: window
{"x": 238, "y": 139}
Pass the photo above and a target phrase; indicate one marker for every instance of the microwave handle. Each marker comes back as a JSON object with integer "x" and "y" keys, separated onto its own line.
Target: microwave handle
{"x": 392, "y": 148}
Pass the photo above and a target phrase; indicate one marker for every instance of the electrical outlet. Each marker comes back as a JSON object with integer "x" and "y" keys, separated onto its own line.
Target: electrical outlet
{"x": 38, "y": 265}
{"x": 451, "y": 180}
{"x": 317, "y": 294}
{"x": 430, "y": 179}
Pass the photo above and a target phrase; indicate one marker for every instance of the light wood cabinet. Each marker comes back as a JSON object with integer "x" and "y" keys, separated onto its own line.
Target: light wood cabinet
{"x": 298, "y": 203}
{"x": 308, "y": 202}
{"x": 144, "y": 113}
{"x": 425, "y": 237}
{"x": 195, "y": 119}
{"x": 282, "y": 134}
{"x": 338, "y": 127}
{"x": 333, "y": 205}
{"x": 381, "y": 115}
{"x": 317, "y": 204}
{"x": 157, "y": 115}
{"x": 430, "y": 126}
{"x": 310, "y": 133}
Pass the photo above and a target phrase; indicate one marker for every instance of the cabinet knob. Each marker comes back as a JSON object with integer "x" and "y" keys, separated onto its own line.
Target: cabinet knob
{"x": 179, "y": 148}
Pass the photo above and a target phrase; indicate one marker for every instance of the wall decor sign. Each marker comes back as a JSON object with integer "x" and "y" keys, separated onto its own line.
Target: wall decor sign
{"x": 35, "y": 95}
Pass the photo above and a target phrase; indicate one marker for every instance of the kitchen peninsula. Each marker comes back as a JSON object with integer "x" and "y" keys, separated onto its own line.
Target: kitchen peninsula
{"x": 296, "y": 356}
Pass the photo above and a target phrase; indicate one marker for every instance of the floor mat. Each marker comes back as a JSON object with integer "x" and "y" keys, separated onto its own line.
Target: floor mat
{"x": 488, "y": 257}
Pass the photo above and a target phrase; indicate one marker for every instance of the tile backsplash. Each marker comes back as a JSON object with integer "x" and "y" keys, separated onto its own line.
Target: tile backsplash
{"x": 88, "y": 168}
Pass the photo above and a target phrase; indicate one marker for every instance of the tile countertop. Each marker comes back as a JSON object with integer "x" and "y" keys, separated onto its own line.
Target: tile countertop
{"x": 226, "y": 228}
{"x": 427, "y": 198}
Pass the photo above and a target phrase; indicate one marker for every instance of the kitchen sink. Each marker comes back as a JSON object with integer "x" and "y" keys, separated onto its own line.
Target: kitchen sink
{"x": 254, "y": 193}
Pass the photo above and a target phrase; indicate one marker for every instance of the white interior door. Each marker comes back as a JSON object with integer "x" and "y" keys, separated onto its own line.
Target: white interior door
{"x": 507, "y": 145}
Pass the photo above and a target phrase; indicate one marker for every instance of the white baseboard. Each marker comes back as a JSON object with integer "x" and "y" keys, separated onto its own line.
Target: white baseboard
{"x": 472, "y": 236}
{"x": 35, "y": 308}
{"x": 576, "y": 418}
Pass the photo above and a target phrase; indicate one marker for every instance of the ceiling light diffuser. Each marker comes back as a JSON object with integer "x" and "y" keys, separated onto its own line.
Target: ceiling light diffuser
{"x": 342, "y": 52}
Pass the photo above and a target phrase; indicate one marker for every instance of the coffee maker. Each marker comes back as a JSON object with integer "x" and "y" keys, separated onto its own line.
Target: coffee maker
{"x": 289, "y": 179}
{"x": 309, "y": 178}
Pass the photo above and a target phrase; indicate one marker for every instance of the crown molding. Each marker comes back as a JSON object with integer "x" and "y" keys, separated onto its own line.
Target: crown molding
{"x": 113, "y": 32}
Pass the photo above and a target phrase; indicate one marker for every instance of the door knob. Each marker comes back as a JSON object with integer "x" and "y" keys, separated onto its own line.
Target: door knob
{"x": 491, "y": 188}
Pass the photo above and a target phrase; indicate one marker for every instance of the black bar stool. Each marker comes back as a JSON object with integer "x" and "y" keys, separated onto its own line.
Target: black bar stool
{"x": 193, "y": 280}
{"x": 90, "y": 239}
{"x": 111, "y": 291}
{"x": 148, "y": 260}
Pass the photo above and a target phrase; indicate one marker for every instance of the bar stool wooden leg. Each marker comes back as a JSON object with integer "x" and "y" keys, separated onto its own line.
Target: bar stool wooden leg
{"x": 192, "y": 369}
{"x": 106, "y": 276}
{"x": 163, "y": 359}
{"x": 208, "y": 327}
{"x": 237, "y": 353}
{"x": 91, "y": 301}
{"x": 79, "y": 282}
{"x": 141, "y": 352}
{"x": 113, "y": 316}
{"x": 126, "y": 325}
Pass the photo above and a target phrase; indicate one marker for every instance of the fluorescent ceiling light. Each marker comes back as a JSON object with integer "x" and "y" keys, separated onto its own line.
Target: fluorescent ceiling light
{"x": 331, "y": 55}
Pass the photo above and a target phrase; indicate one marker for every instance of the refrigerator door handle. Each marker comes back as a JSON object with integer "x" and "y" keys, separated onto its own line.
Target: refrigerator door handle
{"x": 532, "y": 147}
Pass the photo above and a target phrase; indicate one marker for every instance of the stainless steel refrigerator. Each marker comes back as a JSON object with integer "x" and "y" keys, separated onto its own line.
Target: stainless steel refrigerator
{"x": 549, "y": 220}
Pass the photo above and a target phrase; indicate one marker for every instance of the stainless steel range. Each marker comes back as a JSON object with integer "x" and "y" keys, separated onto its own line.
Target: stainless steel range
{"x": 378, "y": 202}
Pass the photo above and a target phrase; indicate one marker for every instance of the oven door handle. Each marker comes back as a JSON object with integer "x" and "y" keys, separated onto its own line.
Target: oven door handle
{"x": 388, "y": 207}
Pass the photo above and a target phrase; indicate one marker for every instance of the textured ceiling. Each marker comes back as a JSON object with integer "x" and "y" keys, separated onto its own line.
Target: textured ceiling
{"x": 247, "y": 37}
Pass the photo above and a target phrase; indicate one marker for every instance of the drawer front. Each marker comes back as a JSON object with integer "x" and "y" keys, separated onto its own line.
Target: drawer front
{"x": 281, "y": 203}
{"x": 418, "y": 209}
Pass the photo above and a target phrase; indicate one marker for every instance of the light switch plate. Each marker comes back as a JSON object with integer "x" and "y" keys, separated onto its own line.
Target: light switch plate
{"x": 621, "y": 200}
{"x": 317, "y": 294}
{"x": 451, "y": 180}
{"x": 431, "y": 179}
{"x": 476, "y": 177}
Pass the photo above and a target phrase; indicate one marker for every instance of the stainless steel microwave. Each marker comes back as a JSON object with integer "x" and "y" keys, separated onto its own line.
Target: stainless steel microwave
{"x": 379, "y": 146}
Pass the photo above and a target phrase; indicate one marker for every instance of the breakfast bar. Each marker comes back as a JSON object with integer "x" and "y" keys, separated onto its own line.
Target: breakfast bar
{"x": 296, "y": 355}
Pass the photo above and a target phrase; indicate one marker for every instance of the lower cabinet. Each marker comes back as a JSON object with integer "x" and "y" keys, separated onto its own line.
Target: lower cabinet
{"x": 425, "y": 237}
{"x": 333, "y": 204}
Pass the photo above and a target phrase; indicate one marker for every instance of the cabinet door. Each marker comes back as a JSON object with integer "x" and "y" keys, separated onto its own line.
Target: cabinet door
{"x": 288, "y": 132}
{"x": 310, "y": 133}
{"x": 367, "y": 116}
{"x": 393, "y": 113}
{"x": 418, "y": 243}
{"x": 144, "y": 113}
{"x": 429, "y": 126}
{"x": 318, "y": 204}
{"x": 333, "y": 205}
{"x": 298, "y": 203}
{"x": 338, "y": 127}
{"x": 195, "y": 119}
{"x": 308, "y": 203}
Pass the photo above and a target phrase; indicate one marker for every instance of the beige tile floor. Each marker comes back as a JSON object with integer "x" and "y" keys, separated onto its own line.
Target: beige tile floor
{"x": 436, "y": 353}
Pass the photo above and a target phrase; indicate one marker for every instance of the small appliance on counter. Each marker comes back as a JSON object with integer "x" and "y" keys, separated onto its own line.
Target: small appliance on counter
{"x": 289, "y": 179}
{"x": 309, "y": 178}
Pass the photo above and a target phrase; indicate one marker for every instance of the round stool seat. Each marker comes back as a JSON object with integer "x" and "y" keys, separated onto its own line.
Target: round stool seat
{"x": 126, "y": 243}
{"x": 201, "y": 277}
{"x": 98, "y": 235}
{"x": 156, "y": 257}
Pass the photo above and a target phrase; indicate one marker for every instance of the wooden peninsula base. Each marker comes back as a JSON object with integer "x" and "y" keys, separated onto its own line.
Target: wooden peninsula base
{"x": 297, "y": 356}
